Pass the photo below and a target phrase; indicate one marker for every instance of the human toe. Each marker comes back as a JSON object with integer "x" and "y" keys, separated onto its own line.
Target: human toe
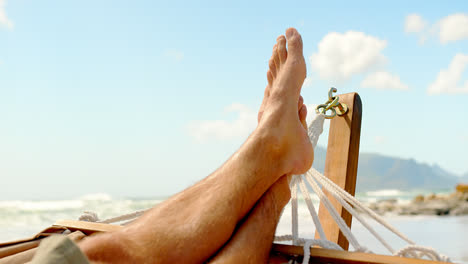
{"x": 281, "y": 49}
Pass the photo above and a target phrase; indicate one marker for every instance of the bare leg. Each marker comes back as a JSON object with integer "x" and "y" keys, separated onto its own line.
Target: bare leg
{"x": 251, "y": 243}
{"x": 253, "y": 239}
{"x": 192, "y": 225}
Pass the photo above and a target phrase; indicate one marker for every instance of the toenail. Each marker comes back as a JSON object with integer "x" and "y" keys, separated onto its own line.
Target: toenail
{"x": 289, "y": 33}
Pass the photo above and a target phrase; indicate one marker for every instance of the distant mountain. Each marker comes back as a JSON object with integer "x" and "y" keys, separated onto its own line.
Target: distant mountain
{"x": 377, "y": 171}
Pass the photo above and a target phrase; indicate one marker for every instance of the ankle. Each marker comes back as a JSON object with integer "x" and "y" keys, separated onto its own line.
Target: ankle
{"x": 271, "y": 143}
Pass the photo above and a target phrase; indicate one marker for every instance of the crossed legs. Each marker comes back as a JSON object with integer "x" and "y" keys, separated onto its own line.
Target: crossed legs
{"x": 222, "y": 214}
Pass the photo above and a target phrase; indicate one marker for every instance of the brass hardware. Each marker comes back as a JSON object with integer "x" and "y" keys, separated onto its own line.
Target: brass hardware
{"x": 333, "y": 105}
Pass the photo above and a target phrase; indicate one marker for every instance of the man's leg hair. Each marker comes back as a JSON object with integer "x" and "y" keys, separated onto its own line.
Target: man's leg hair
{"x": 194, "y": 224}
{"x": 252, "y": 240}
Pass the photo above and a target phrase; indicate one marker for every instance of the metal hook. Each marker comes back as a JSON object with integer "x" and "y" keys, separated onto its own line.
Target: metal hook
{"x": 324, "y": 111}
{"x": 333, "y": 105}
{"x": 330, "y": 93}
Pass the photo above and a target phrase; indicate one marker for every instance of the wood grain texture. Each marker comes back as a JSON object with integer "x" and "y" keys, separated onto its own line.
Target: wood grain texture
{"x": 88, "y": 228}
{"x": 28, "y": 254}
{"x": 341, "y": 163}
{"x": 11, "y": 250}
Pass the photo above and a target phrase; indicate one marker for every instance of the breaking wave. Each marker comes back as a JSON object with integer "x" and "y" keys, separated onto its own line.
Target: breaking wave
{"x": 24, "y": 218}
{"x": 385, "y": 193}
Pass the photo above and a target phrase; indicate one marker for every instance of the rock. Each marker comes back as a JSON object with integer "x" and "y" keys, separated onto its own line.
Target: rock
{"x": 465, "y": 197}
{"x": 418, "y": 199}
{"x": 388, "y": 201}
{"x": 455, "y": 195}
{"x": 432, "y": 208}
{"x": 430, "y": 197}
{"x": 455, "y": 203}
{"x": 387, "y": 206}
{"x": 460, "y": 210}
{"x": 462, "y": 188}
{"x": 459, "y": 196}
{"x": 437, "y": 208}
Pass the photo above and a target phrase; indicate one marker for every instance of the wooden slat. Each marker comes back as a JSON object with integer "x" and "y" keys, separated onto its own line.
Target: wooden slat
{"x": 44, "y": 233}
{"x": 11, "y": 250}
{"x": 87, "y": 227}
{"x": 341, "y": 163}
{"x": 27, "y": 255}
{"x": 13, "y": 247}
{"x": 319, "y": 255}
{"x": 24, "y": 245}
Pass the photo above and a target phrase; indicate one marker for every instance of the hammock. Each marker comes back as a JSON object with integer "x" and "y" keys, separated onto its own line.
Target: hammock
{"x": 315, "y": 179}
{"x": 318, "y": 183}
{"x": 332, "y": 239}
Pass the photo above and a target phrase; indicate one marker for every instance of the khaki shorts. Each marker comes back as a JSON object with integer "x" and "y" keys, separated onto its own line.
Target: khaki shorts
{"x": 58, "y": 249}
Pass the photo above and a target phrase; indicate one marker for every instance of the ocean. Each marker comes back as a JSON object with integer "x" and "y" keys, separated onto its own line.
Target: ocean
{"x": 446, "y": 234}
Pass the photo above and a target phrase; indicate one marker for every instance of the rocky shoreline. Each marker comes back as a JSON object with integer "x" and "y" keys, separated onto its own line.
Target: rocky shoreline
{"x": 455, "y": 203}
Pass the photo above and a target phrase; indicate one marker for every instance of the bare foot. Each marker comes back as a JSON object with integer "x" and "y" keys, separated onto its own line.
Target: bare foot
{"x": 194, "y": 224}
{"x": 274, "y": 60}
{"x": 282, "y": 112}
{"x": 267, "y": 211}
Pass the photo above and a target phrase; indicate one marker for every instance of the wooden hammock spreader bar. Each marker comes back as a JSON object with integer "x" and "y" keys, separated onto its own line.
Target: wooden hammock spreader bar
{"x": 87, "y": 228}
{"x": 279, "y": 253}
{"x": 12, "y": 247}
{"x": 321, "y": 256}
{"x": 23, "y": 251}
{"x": 17, "y": 248}
{"x": 341, "y": 164}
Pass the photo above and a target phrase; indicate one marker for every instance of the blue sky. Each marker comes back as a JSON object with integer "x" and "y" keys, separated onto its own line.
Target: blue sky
{"x": 144, "y": 98}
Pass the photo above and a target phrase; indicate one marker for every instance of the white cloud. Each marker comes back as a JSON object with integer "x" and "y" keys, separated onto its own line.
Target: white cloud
{"x": 447, "y": 81}
{"x": 4, "y": 20}
{"x": 383, "y": 81}
{"x": 414, "y": 23}
{"x": 173, "y": 54}
{"x": 242, "y": 126}
{"x": 453, "y": 27}
{"x": 448, "y": 29}
{"x": 340, "y": 56}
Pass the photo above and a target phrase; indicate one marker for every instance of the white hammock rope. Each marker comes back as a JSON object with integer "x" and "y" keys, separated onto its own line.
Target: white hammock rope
{"x": 315, "y": 179}
{"x": 294, "y": 219}
{"x": 128, "y": 218}
{"x": 336, "y": 191}
{"x": 354, "y": 214}
{"x": 343, "y": 227}
{"x": 311, "y": 208}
